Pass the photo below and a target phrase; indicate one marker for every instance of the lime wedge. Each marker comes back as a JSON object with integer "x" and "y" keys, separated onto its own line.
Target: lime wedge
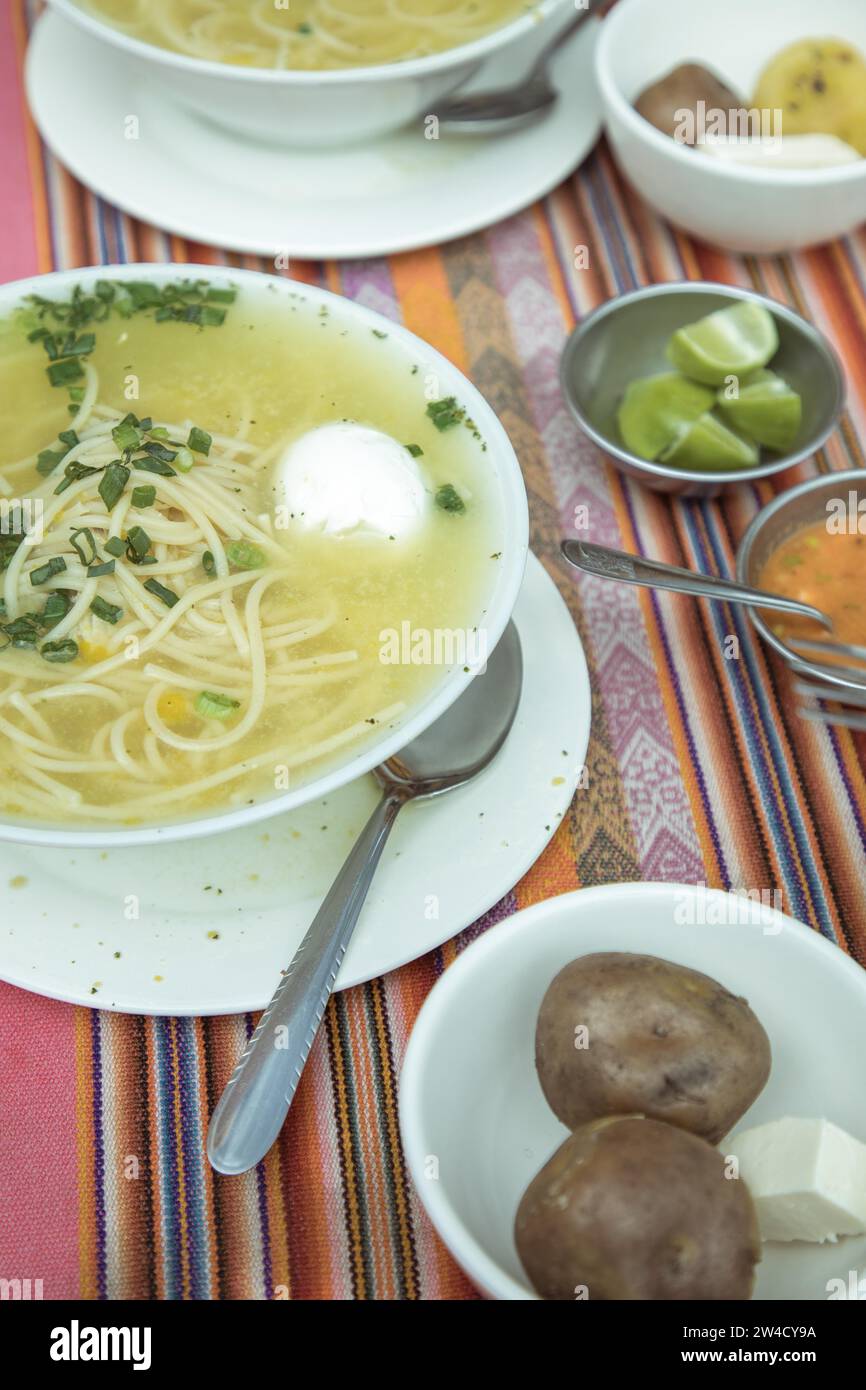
{"x": 730, "y": 342}
{"x": 655, "y": 409}
{"x": 709, "y": 446}
{"x": 767, "y": 409}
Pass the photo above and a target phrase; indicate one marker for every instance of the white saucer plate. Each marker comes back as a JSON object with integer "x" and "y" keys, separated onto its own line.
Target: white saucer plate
{"x": 470, "y": 1095}
{"x": 206, "y": 184}
{"x": 205, "y": 926}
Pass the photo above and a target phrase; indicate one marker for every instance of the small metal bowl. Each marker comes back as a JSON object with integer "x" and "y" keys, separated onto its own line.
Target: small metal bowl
{"x": 626, "y": 338}
{"x": 790, "y": 512}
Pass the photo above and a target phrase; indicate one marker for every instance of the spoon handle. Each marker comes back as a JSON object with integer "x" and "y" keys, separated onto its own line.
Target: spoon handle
{"x": 560, "y": 39}
{"x": 653, "y": 574}
{"x": 256, "y": 1100}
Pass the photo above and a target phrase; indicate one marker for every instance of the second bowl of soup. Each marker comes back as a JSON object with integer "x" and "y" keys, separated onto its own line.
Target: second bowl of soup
{"x": 313, "y": 72}
{"x": 254, "y": 539}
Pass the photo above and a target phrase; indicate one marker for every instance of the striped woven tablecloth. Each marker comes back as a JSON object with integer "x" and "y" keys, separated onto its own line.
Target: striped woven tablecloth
{"x": 698, "y": 771}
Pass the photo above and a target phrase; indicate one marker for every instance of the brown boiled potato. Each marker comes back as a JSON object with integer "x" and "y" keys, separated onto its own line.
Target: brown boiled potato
{"x": 634, "y": 1209}
{"x": 664, "y": 102}
{"x": 622, "y": 1034}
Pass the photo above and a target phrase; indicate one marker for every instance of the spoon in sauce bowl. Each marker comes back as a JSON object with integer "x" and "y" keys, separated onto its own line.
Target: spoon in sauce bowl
{"x": 606, "y": 563}
{"x": 456, "y": 748}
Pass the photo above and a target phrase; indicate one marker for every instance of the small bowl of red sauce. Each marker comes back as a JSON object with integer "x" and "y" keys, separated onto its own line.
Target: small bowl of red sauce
{"x": 809, "y": 544}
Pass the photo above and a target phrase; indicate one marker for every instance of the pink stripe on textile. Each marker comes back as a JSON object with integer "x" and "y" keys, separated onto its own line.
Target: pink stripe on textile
{"x": 38, "y": 1179}
{"x": 18, "y": 254}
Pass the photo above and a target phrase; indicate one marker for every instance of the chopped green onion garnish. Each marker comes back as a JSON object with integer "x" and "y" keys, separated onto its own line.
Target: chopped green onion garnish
{"x": 65, "y": 650}
{"x": 88, "y": 555}
{"x": 152, "y": 465}
{"x": 8, "y": 547}
{"x": 137, "y": 544}
{"x": 144, "y": 496}
{"x": 112, "y": 483}
{"x": 56, "y": 607}
{"x": 78, "y": 347}
{"x": 168, "y": 596}
{"x": 23, "y": 631}
{"x": 158, "y": 451}
{"x": 183, "y": 459}
{"x": 48, "y": 460}
{"x": 108, "y": 612}
{"x": 415, "y": 450}
{"x": 62, "y": 373}
{"x": 446, "y": 413}
{"x": 245, "y": 556}
{"x": 114, "y": 545}
{"x": 72, "y": 473}
{"x": 126, "y": 435}
{"x": 449, "y": 499}
{"x": 213, "y": 706}
{"x": 199, "y": 441}
{"x": 97, "y": 571}
{"x": 56, "y": 565}
{"x": 208, "y": 563}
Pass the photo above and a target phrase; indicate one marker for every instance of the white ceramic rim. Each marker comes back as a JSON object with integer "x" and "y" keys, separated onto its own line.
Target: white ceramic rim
{"x": 497, "y": 612}
{"x": 618, "y": 453}
{"x": 287, "y": 77}
{"x": 472, "y": 1258}
{"x": 612, "y": 33}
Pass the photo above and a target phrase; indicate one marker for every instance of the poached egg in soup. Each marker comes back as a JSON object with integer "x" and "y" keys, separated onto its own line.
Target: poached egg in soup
{"x": 227, "y": 502}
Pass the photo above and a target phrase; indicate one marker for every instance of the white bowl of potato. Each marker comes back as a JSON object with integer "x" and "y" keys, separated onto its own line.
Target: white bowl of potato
{"x": 478, "y": 1129}
{"x": 760, "y": 209}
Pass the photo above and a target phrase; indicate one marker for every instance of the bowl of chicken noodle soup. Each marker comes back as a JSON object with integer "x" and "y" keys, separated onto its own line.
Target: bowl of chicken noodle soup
{"x": 308, "y": 72}
{"x": 253, "y": 539}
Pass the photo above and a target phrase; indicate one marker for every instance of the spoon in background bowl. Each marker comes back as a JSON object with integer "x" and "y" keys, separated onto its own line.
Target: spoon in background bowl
{"x": 601, "y": 560}
{"x": 503, "y": 108}
{"x": 459, "y": 745}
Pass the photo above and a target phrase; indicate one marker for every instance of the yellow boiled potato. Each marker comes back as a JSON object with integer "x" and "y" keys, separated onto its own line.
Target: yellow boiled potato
{"x": 820, "y": 87}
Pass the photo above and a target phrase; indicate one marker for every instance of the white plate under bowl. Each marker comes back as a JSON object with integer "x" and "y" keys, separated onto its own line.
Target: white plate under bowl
{"x": 128, "y": 929}
{"x": 394, "y": 194}
{"x": 469, "y": 1094}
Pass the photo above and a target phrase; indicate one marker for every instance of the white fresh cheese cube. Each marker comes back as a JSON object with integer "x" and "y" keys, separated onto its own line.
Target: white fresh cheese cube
{"x": 789, "y": 152}
{"x": 807, "y": 1178}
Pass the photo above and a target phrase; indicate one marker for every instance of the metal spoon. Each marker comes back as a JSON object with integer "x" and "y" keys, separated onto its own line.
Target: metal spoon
{"x": 652, "y": 574}
{"x": 460, "y": 744}
{"x": 505, "y": 107}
